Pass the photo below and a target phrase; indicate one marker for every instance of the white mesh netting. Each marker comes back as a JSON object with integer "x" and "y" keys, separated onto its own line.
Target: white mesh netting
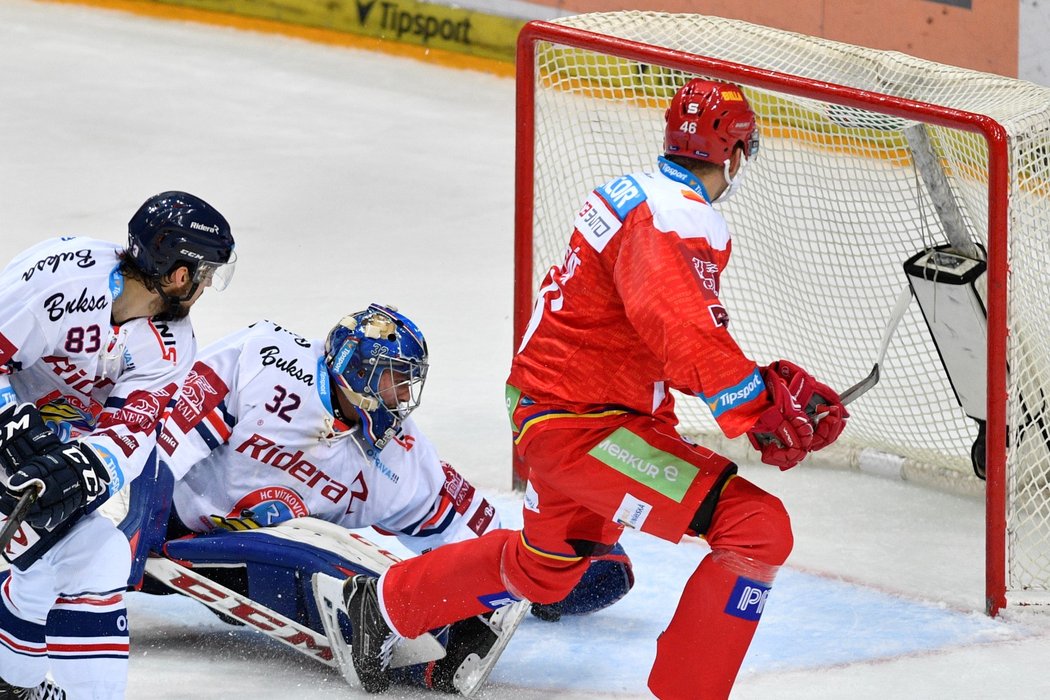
{"x": 831, "y": 209}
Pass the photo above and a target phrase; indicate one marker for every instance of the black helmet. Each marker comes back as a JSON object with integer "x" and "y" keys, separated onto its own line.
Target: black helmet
{"x": 173, "y": 229}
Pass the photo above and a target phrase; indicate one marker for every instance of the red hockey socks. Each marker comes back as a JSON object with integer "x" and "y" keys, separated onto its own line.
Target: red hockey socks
{"x": 450, "y": 583}
{"x": 700, "y": 652}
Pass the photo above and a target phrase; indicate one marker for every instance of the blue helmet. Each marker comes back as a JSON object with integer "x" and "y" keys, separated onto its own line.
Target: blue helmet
{"x": 173, "y": 229}
{"x": 364, "y": 348}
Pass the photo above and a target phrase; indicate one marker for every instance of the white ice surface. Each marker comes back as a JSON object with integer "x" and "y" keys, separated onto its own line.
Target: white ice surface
{"x": 352, "y": 177}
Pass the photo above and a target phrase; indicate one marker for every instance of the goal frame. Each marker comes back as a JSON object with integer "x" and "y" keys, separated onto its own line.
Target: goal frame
{"x": 992, "y": 131}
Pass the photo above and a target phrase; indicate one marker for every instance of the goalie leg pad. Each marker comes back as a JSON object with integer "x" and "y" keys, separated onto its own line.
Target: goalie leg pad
{"x": 609, "y": 577}
{"x": 274, "y": 566}
{"x": 145, "y": 520}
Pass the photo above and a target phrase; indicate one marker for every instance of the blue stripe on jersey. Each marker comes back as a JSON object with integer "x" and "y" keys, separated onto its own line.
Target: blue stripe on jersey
{"x": 440, "y": 527}
{"x": 85, "y": 623}
{"x": 207, "y": 435}
{"x": 436, "y": 529}
{"x": 228, "y": 418}
{"x": 16, "y": 633}
{"x": 622, "y": 195}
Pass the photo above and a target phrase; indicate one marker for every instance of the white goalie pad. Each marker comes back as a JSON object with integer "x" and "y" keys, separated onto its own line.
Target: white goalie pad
{"x": 330, "y": 648}
{"x": 333, "y": 538}
{"x": 328, "y": 594}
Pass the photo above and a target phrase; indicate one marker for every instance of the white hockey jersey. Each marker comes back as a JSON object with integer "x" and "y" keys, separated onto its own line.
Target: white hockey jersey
{"x": 254, "y": 433}
{"x": 109, "y": 385}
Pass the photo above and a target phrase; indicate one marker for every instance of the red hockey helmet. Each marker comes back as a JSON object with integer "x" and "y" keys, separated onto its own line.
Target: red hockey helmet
{"x": 706, "y": 121}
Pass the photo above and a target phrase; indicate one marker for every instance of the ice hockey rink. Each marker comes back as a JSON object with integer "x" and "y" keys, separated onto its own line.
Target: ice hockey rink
{"x": 350, "y": 177}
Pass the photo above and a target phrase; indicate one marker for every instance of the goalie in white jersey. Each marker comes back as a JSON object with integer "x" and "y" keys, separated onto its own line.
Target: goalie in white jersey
{"x": 94, "y": 344}
{"x": 271, "y": 427}
{"x": 262, "y": 435}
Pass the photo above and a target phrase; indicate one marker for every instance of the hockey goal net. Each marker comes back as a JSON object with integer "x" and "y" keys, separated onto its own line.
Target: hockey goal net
{"x": 867, "y": 158}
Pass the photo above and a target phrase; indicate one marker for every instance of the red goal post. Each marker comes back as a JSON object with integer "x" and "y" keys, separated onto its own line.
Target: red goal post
{"x": 832, "y": 207}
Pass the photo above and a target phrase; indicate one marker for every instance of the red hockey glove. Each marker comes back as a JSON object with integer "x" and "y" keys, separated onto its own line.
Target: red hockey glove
{"x": 820, "y": 401}
{"x": 784, "y": 432}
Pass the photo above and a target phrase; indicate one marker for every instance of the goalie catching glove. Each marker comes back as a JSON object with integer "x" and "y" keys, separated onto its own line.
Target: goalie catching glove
{"x": 806, "y": 416}
{"x": 67, "y": 478}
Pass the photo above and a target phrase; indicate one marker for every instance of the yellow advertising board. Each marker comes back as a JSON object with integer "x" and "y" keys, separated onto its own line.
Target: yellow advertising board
{"x": 405, "y": 21}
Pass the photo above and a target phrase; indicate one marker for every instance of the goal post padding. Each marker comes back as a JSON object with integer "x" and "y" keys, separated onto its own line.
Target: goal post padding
{"x": 867, "y": 158}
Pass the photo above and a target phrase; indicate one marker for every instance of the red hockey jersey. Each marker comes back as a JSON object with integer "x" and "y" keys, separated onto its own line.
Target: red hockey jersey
{"x": 634, "y": 310}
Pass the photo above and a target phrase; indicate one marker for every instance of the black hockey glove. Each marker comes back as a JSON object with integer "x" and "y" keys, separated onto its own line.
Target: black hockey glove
{"x": 67, "y": 478}
{"x": 23, "y": 436}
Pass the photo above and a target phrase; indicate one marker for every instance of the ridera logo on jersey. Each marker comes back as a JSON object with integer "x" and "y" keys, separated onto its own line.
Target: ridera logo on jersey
{"x": 267, "y": 451}
{"x": 747, "y": 600}
{"x": 24, "y": 538}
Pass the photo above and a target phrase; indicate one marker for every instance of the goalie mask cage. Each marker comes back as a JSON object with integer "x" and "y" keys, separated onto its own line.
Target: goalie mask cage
{"x": 832, "y": 207}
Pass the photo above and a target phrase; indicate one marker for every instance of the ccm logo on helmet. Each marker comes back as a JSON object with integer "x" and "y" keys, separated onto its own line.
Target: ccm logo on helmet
{"x": 202, "y": 227}
{"x": 191, "y": 254}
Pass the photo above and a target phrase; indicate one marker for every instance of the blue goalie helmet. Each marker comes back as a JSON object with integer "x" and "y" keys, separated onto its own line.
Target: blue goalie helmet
{"x": 377, "y": 359}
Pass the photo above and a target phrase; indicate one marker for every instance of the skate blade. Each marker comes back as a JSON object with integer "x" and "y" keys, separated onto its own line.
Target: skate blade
{"x": 474, "y": 670}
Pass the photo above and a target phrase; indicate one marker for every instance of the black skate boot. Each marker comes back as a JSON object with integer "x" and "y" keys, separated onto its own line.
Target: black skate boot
{"x": 373, "y": 640}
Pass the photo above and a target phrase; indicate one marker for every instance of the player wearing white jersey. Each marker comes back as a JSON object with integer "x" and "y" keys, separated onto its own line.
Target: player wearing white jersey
{"x": 272, "y": 428}
{"x": 259, "y": 433}
{"x": 94, "y": 344}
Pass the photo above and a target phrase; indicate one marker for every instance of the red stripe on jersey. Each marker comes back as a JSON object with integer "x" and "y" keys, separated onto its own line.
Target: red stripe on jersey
{"x": 12, "y": 644}
{"x": 91, "y": 600}
{"x": 87, "y": 648}
{"x": 442, "y": 510}
{"x": 218, "y": 425}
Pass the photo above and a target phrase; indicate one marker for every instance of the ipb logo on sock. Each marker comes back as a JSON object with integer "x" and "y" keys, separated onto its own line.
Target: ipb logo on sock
{"x": 495, "y": 601}
{"x": 747, "y": 599}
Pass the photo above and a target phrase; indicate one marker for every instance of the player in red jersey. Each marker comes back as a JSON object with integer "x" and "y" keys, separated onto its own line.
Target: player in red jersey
{"x": 633, "y": 312}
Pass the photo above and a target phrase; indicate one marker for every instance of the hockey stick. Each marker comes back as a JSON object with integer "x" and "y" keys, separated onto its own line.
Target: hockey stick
{"x": 861, "y": 387}
{"x": 17, "y": 516}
